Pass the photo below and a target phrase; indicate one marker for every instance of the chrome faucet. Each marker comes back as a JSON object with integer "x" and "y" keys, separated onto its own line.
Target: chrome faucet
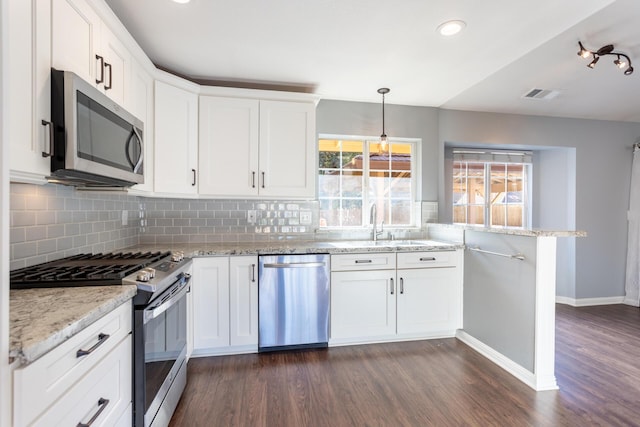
{"x": 373, "y": 217}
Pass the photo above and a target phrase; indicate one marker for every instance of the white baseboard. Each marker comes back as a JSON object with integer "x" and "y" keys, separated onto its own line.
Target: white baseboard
{"x": 585, "y": 302}
{"x": 632, "y": 302}
{"x": 524, "y": 375}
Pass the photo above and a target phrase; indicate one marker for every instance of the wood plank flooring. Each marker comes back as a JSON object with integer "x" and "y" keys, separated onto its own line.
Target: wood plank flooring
{"x": 425, "y": 383}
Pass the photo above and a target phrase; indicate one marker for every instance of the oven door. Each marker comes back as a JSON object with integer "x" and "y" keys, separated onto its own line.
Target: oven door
{"x": 164, "y": 341}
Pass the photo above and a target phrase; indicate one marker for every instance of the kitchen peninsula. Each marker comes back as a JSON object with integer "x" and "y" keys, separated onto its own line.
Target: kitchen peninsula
{"x": 509, "y": 297}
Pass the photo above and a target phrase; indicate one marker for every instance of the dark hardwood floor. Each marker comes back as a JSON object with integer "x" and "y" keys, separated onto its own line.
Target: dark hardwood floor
{"x": 425, "y": 383}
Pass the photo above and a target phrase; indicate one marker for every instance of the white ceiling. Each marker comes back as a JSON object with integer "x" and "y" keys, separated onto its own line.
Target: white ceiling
{"x": 348, "y": 49}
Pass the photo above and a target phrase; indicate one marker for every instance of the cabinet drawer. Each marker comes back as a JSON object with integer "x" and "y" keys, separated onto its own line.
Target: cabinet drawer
{"x": 105, "y": 392}
{"x": 366, "y": 261}
{"x": 39, "y": 384}
{"x": 427, "y": 259}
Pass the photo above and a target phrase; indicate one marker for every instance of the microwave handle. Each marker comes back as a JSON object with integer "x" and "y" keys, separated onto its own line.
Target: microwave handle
{"x": 135, "y": 167}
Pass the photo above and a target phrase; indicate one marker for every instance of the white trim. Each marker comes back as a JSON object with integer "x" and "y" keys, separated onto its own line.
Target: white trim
{"x": 545, "y": 314}
{"x": 6, "y": 382}
{"x": 505, "y": 363}
{"x": 586, "y": 302}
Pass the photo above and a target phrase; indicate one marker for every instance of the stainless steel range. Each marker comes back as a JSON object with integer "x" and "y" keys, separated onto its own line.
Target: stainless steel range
{"x": 159, "y": 317}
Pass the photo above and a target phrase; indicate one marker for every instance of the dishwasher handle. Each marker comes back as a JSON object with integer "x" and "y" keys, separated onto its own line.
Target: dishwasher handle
{"x": 295, "y": 265}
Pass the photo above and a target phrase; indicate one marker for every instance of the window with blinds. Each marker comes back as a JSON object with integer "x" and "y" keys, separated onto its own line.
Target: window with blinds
{"x": 492, "y": 188}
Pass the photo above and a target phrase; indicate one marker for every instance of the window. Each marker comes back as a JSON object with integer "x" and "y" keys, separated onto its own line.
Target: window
{"x": 492, "y": 188}
{"x": 356, "y": 173}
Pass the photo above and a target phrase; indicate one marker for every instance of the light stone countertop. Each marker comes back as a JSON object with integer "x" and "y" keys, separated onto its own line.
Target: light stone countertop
{"x": 531, "y": 232}
{"x": 299, "y": 247}
{"x": 41, "y": 319}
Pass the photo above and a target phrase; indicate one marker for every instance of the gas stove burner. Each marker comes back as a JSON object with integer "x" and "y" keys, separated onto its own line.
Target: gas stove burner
{"x": 84, "y": 270}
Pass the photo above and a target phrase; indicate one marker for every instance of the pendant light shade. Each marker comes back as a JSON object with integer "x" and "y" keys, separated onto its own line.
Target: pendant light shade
{"x": 383, "y": 138}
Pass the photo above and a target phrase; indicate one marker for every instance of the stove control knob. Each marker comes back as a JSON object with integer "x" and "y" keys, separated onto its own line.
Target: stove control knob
{"x": 143, "y": 276}
{"x": 151, "y": 271}
{"x": 177, "y": 256}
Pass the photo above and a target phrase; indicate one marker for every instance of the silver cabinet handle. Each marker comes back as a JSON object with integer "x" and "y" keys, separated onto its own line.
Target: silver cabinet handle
{"x": 253, "y": 272}
{"x": 107, "y": 87}
{"x": 193, "y": 182}
{"x": 50, "y": 125}
{"x": 363, "y": 261}
{"x": 253, "y": 179}
{"x": 101, "y": 79}
{"x": 391, "y": 286}
{"x": 428, "y": 259}
{"x": 102, "y": 404}
{"x": 262, "y": 179}
{"x": 295, "y": 265}
{"x": 101, "y": 340}
{"x": 401, "y": 285}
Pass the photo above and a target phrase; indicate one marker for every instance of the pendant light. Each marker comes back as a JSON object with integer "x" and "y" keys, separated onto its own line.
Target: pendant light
{"x": 383, "y": 138}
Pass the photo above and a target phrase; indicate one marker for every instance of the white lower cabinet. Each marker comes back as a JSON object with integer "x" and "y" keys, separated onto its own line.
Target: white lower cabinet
{"x": 421, "y": 298}
{"x": 363, "y": 304}
{"x": 225, "y": 305}
{"x": 66, "y": 388}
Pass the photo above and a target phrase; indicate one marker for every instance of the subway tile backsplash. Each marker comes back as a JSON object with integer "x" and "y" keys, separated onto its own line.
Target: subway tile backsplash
{"x": 51, "y": 221}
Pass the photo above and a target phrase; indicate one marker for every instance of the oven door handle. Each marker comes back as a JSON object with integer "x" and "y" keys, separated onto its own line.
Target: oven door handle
{"x": 160, "y": 307}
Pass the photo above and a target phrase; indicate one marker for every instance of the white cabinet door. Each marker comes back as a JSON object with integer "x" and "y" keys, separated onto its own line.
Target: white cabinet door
{"x": 363, "y": 305}
{"x": 210, "y": 289}
{"x": 428, "y": 301}
{"x": 176, "y": 130}
{"x": 228, "y": 146}
{"x": 75, "y": 37}
{"x": 29, "y": 94}
{"x": 117, "y": 67}
{"x": 287, "y": 149}
{"x": 140, "y": 101}
{"x": 243, "y": 300}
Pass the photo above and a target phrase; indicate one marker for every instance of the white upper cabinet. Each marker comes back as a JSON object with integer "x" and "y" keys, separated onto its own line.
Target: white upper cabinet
{"x": 82, "y": 43}
{"x": 176, "y": 139}
{"x": 140, "y": 101}
{"x": 29, "y": 93}
{"x": 252, "y": 147}
{"x": 287, "y": 149}
{"x": 228, "y": 146}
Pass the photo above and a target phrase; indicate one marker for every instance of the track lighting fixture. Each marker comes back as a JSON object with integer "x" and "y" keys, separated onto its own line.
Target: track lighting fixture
{"x": 606, "y": 50}
{"x": 383, "y": 138}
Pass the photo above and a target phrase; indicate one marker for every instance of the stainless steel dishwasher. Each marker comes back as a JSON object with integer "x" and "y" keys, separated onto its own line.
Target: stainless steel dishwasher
{"x": 293, "y": 301}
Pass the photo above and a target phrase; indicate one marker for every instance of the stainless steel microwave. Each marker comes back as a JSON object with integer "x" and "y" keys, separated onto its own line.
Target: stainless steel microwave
{"x": 94, "y": 141}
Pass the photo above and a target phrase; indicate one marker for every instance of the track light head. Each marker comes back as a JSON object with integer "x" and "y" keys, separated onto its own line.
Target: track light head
{"x": 620, "y": 63}
{"x": 594, "y": 62}
{"x": 628, "y": 71}
{"x": 583, "y": 52}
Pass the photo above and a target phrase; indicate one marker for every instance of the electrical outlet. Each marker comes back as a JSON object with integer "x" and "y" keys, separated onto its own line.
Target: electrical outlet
{"x": 305, "y": 217}
{"x": 125, "y": 217}
{"x": 251, "y": 217}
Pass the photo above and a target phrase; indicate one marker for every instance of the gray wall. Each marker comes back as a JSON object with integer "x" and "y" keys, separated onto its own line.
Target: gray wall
{"x": 582, "y": 170}
{"x": 602, "y": 177}
{"x": 365, "y": 119}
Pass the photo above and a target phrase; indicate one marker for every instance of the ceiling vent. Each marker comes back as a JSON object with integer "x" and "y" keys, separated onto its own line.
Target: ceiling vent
{"x": 541, "y": 94}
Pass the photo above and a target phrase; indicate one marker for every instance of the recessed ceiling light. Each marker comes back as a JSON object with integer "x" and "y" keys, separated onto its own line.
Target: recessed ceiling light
{"x": 451, "y": 28}
{"x": 182, "y": 1}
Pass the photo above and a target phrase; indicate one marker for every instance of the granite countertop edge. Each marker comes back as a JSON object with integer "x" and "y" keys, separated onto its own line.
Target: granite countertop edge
{"x": 531, "y": 232}
{"x": 195, "y": 250}
{"x": 39, "y": 322}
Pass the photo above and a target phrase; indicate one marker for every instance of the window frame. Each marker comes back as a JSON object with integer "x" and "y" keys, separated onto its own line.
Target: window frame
{"x": 496, "y": 157}
{"x": 416, "y": 178}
